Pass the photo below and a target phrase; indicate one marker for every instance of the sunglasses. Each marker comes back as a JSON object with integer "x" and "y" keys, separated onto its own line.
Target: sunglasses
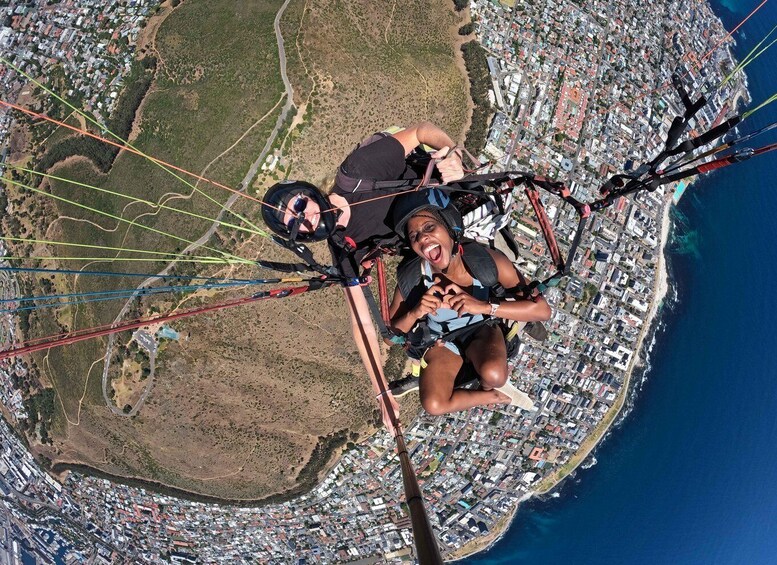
{"x": 298, "y": 207}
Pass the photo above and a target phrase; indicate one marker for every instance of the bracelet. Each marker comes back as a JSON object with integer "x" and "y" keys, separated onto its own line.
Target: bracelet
{"x": 494, "y": 307}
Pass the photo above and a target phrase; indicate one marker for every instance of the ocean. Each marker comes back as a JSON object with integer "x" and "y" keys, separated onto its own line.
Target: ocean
{"x": 689, "y": 474}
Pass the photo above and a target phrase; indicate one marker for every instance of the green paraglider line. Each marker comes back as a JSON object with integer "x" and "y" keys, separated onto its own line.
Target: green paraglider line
{"x": 208, "y": 261}
{"x": 769, "y": 100}
{"x": 164, "y": 166}
{"x": 170, "y": 256}
{"x": 139, "y": 200}
{"x": 88, "y": 273}
{"x": 120, "y": 219}
{"x": 750, "y": 57}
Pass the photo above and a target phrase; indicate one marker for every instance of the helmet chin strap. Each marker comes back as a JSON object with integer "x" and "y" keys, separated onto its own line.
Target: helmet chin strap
{"x": 456, "y": 236}
{"x": 456, "y": 250}
{"x": 295, "y": 227}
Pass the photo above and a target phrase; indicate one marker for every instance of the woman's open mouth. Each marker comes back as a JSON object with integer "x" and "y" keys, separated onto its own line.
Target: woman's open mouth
{"x": 433, "y": 252}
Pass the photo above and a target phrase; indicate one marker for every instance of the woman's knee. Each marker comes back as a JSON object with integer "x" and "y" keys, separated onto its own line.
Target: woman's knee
{"x": 493, "y": 373}
{"x": 434, "y": 405}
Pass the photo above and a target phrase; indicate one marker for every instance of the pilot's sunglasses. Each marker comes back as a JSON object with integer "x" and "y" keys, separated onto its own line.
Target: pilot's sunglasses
{"x": 300, "y": 203}
{"x": 298, "y": 207}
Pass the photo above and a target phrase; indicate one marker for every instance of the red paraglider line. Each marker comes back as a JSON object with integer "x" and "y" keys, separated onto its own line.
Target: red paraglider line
{"x": 99, "y": 331}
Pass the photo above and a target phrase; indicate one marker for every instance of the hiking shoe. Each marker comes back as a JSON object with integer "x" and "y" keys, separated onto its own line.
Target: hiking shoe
{"x": 537, "y": 330}
{"x": 404, "y": 385}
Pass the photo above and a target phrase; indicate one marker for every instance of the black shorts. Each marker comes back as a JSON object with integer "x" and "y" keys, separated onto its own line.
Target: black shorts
{"x": 457, "y": 341}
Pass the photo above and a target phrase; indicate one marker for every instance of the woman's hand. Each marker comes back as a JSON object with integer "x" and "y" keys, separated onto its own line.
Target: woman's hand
{"x": 430, "y": 301}
{"x": 448, "y": 162}
{"x": 464, "y": 303}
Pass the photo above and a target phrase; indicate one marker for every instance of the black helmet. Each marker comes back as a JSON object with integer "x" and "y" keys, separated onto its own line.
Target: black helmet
{"x": 410, "y": 203}
{"x": 277, "y": 199}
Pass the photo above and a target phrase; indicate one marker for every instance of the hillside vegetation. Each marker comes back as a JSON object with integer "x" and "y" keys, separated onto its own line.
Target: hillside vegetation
{"x": 253, "y": 402}
{"x": 360, "y": 67}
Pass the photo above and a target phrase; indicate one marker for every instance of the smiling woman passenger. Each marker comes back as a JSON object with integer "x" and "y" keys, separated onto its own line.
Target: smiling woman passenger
{"x": 456, "y": 309}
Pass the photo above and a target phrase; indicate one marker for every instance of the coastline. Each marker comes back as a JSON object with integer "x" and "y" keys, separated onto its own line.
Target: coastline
{"x": 186, "y": 528}
{"x": 660, "y": 290}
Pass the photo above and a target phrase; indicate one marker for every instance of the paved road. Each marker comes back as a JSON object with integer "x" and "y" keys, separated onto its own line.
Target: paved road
{"x": 246, "y": 182}
{"x": 9, "y": 289}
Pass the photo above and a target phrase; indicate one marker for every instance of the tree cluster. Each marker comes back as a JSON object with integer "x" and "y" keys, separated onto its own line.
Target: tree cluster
{"x": 479, "y": 82}
{"x": 40, "y": 408}
{"x": 120, "y": 123}
{"x": 466, "y": 29}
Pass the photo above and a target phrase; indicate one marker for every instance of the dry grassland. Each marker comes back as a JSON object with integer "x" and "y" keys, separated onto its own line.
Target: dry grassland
{"x": 129, "y": 385}
{"x": 360, "y": 66}
{"x": 245, "y": 404}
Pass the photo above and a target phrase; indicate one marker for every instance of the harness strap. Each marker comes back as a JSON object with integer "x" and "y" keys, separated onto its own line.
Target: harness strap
{"x": 703, "y": 139}
{"x": 385, "y": 332}
{"x": 304, "y": 253}
{"x": 420, "y": 337}
{"x": 545, "y": 225}
{"x": 331, "y": 274}
{"x": 360, "y": 185}
{"x": 379, "y": 313}
{"x": 285, "y": 267}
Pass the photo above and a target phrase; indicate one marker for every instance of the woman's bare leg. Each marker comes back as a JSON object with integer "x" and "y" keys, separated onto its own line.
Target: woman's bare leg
{"x": 488, "y": 355}
{"x": 436, "y": 387}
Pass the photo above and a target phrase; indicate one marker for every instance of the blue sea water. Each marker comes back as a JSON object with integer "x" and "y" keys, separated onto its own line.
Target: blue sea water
{"x": 690, "y": 475}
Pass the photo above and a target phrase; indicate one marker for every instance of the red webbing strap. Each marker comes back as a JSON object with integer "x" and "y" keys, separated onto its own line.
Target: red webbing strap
{"x": 80, "y": 335}
{"x": 382, "y": 291}
{"x": 547, "y": 229}
{"x": 712, "y": 165}
{"x": 765, "y": 149}
{"x": 427, "y": 550}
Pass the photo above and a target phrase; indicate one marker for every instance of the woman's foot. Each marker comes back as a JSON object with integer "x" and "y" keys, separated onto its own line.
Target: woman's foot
{"x": 501, "y": 398}
{"x": 514, "y": 397}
